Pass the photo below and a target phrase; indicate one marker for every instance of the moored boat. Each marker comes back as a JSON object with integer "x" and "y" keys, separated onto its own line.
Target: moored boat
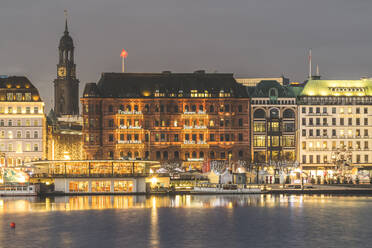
{"x": 226, "y": 189}
{"x": 20, "y": 190}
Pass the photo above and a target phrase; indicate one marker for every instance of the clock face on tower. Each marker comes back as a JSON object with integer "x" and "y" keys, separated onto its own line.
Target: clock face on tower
{"x": 62, "y": 71}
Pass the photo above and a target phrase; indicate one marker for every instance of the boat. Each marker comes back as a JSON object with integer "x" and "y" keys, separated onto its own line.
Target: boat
{"x": 225, "y": 189}
{"x": 20, "y": 190}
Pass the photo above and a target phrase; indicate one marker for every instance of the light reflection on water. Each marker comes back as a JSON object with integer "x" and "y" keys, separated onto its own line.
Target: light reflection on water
{"x": 73, "y": 203}
{"x": 187, "y": 221}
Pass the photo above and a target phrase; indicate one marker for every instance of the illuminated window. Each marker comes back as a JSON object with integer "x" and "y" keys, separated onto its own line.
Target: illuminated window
{"x": 19, "y": 147}
{"x": 10, "y": 134}
{"x": 349, "y": 110}
{"x": 28, "y": 110}
{"x": 28, "y": 96}
{"x": 341, "y": 110}
{"x": 2, "y": 134}
{"x": 288, "y": 141}
{"x": 273, "y": 141}
{"x": 9, "y": 96}
{"x": 259, "y": 141}
{"x": 10, "y": 147}
{"x": 36, "y": 123}
{"x": 259, "y": 126}
{"x": 10, "y": 110}
{"x": 36, "y": 110}
{"x": 19, "y": 134}
{"x": 303, "y": 145}
{"x": 28, "y": 147}
{"x": 19, "y": 110}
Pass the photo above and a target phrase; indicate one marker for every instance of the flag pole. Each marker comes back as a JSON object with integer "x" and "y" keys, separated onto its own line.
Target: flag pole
{"x": 122, "y": 64}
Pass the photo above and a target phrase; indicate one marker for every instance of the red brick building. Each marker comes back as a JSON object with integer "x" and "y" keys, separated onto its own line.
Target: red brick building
{"x": 166, "y": 116}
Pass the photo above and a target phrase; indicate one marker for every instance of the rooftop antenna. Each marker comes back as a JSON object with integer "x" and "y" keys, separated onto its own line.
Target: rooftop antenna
{"x": 310, "y": 73}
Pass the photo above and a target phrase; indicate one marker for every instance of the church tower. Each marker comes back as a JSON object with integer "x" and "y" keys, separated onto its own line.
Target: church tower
{"x": 66, "y": 86}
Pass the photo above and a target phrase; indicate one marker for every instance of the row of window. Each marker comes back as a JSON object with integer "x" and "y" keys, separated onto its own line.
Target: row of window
{"x": 18, "y": 123}
{"x": 273, "y": 141}
{"x": 18, "y": 134}
{"x": 341, "y": 121}
{"x": 28, "y": 147}
{"x": 18, "y": 96}
{"x": 324, "y": 133}
{"x": 322, "y": 145}
{"x": 273, "y": 126}
{"x": 163, "y": 137}
{"x": 317, "y": 110}
{"x": 20, "y": 110}
{"x": 176, "y": 155}
{"x": 168, "y": 108}
{"x": 284, "y": 102}
{"x": 311, "y": 159}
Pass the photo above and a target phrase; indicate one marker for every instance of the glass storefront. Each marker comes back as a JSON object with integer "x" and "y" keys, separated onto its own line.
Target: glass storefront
{"x": 123, "y": 186}
{"x": 78, "y": 186}
{"x": 101, "y": 186}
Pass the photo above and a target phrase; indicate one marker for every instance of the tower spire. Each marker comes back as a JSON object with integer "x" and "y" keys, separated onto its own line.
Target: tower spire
{"x": 66, "y": 26}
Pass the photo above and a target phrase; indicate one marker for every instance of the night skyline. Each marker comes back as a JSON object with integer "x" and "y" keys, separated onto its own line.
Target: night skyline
{"x": 245, "y": 38}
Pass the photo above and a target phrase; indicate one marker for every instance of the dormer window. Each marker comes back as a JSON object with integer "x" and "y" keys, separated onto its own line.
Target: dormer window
{"x": 273, "y": 93}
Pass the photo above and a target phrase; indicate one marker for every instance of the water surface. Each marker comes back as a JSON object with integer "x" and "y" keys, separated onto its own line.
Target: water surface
{"x": 187, "y": 221}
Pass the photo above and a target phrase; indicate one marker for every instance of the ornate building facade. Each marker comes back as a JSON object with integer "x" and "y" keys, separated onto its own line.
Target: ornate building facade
{"x": 273, "y": 118}
{"x": 22, "y": 122}
{"x": 166, "y": 116}
{"x": 66, "y": 85}
{"x": 335, "y": 126}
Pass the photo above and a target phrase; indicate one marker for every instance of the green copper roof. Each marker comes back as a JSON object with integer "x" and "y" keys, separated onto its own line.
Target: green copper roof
{"x": 362, "y": 87}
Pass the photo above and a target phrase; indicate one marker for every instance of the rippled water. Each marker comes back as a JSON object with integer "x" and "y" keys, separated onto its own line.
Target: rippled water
{"x": 187, "y": 221}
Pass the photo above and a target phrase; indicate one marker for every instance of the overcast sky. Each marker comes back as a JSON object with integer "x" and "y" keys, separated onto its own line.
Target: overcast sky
{"x": 245, "y": 37}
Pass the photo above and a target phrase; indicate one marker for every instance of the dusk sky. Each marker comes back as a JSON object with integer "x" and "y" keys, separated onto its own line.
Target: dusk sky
{"x": 251, "y": 38}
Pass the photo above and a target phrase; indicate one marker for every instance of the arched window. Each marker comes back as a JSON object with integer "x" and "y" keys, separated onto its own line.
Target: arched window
{"x": 129, "y": 108}
{"x": 211, "y": 155}
{"x": 147, "y": 154}
{"x": 187, "y": 108}
{"x": 201, "y": 108}
{"x": 129, "y": 154}
{"x": 175, "y": 109}
{"x": 176, "y": 155}
{"x": 201, "y": 154}
{"x": 136, "y": 155}
{"x": 288, "y": 113}
{"x": 259, "y": 113}
{"x": 187, "y": 155}
{"x": 194, "y": 154}
{"x": 193, "y": 108}
{"x": 274, "y": 113}
{"x": 165, "y": 155}
{"x": 121, "y": 107}
{"x": 211, "y": 109}
{"x": 147, "y": 108}
{"x": 273, "y": 92}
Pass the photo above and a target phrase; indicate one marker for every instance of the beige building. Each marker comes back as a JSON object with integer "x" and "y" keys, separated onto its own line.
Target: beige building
{"x": 335, "y": 127}
{"x": 22, "y": 122}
